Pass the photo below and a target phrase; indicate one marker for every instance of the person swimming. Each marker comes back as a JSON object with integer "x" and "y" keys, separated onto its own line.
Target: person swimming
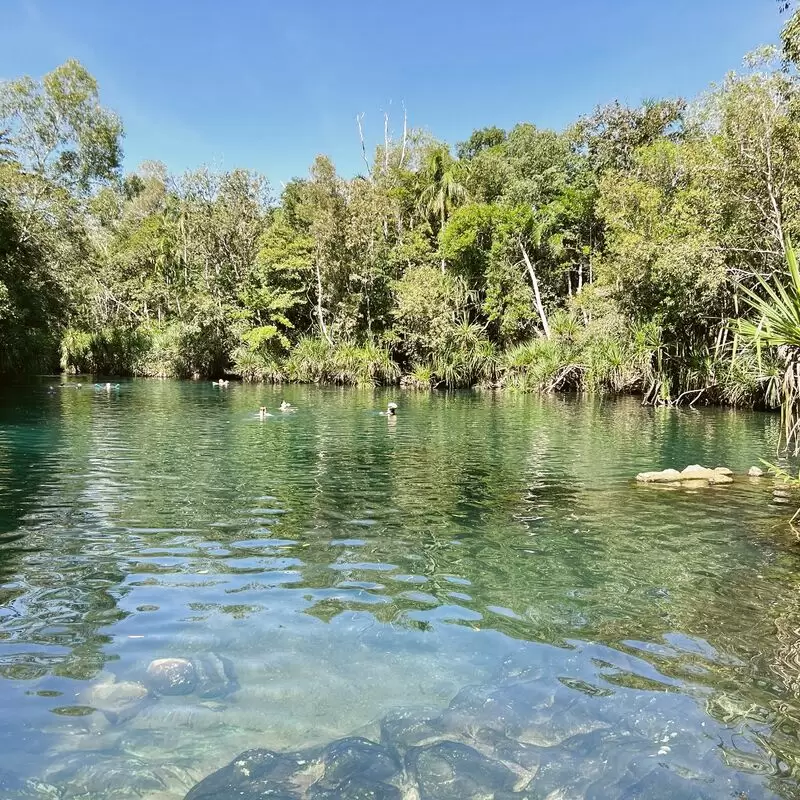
{"x": 286, "y": 406}
{"x": 220, "y": 382}
{"x": 263, "y": 413}
{"x": 391, "y": 410}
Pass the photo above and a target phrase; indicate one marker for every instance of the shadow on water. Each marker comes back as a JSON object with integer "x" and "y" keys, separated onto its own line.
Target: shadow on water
{"x": 348, "y": 566}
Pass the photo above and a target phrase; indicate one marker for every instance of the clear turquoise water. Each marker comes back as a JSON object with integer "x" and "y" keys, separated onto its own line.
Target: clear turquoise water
{"x": 348, "y": 565}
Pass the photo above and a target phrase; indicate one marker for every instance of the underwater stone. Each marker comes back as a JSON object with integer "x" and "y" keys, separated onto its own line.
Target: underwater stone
{"x": 755, "y": 472}
{"x": 20, "y": 789}
{"x": 172, "y": 676}
{"x": 215, "y": 676}
{"x": 356, "y": 757}
{"x": 409, "y": 727}
{"x": 105, "y": 774}
{"x": 253, "y": 775}
{"x": 356, "y": 789}
{"x": 119, "y": 701}
{"x": 454, "y": 771}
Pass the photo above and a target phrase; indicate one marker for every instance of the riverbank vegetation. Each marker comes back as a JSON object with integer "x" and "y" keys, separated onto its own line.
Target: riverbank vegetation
{"x": 617, "y": 255}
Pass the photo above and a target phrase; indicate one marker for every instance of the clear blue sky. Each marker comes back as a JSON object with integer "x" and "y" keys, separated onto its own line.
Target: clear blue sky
{"x": 269, "y": 84}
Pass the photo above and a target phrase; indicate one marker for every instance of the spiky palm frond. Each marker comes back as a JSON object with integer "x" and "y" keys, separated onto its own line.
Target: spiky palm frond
{"x": 777, "y": 325}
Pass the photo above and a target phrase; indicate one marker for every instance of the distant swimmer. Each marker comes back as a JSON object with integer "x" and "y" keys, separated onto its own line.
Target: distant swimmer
{"x": 263, "y": 413}
{"x": 104, "y": 386}
{"x": 220, "y": 382}
{"x": 286, "y": 406}
{"x": 391, "y": 410}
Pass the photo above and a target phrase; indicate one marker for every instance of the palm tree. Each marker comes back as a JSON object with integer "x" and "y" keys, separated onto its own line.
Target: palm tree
{"x": 778, "y": 326}
{"x": 443, "y": 191}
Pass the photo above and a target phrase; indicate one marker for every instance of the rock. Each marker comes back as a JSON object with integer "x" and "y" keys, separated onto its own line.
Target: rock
{"x": 106, "y": 774}
{"x": 215, "y": 676}
{"x": 119, "y": 701}
{"x": 696, "y": 472}
{"x": 357, "y": 758}
{"x": 256, "y": 774}
{"x": 407, "y": 728}
{"x": 664, "y": 476}
{"x": 719, "y": 478}
{"x": 172, "y": 676}
{"x": 357, "y": 789}
{"x": 694, "y": 476}
{"x": 20, "y": 789}
{"x": 454, "y": 771}
{"x": 755, "y": 472}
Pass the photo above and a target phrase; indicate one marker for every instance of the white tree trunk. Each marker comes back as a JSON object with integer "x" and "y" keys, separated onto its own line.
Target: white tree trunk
{"x": 536, "y": 294}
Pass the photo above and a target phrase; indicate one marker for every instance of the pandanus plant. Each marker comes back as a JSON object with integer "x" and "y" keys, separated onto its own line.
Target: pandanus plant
{"x": 776, "y": 305}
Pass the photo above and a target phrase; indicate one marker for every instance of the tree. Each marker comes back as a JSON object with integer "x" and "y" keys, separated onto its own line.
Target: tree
{"x": 612, "y": 134}
{"x": 443, "y": 190}
{"x": 57, "y": 128}
{"x": 480, "y": 140}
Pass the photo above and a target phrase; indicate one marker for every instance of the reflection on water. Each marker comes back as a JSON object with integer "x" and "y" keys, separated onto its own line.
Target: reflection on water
{"x": 348, "y": 565}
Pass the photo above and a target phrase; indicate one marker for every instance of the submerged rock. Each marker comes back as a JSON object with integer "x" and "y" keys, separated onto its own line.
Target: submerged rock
{"x": 207, "y": 676}
{"x": 21, "y": 789}
{"x": 454, "y": 771}
{"x": 406, "y": 728}
{"x": 118, "y": 701}
{"x": 171, "y": 676}
{"x": 257, "y": 774}
{"x": 215, "y": 676}
{"x": 755, "y": 472}
{"x": 107, "y": 774}
{"x": 356, "y": 757}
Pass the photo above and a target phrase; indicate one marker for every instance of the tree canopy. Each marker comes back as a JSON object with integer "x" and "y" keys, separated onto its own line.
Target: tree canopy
{"x": 612, "y": 255}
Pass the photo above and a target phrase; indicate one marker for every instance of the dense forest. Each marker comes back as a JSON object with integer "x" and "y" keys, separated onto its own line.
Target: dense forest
{"x": 616, "y": 255}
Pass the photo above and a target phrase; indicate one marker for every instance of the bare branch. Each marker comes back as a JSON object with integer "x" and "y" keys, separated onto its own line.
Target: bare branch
{"x": 359, "y": 117}
{"x": 405, "y": 136}
{"x": 385, "y": 141}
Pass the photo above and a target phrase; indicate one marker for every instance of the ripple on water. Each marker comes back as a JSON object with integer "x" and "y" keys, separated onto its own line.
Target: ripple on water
{"x": 329, "y": 562}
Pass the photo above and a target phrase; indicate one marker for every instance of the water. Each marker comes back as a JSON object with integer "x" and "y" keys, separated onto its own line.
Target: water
{"x": 348, "y": 564}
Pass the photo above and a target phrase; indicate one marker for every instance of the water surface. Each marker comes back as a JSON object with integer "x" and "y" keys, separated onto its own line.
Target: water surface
{"x": 349, "y": 565}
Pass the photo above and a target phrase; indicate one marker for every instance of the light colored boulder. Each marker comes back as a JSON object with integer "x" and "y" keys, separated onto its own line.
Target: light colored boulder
{"x": 720, "y": 478}
{"x": 723, "y": 471}
{"x": 172, "y": 676}
{"x": 664, "y": 476}
{"x": 755, "y": 472}
{"x": 118, "y": 701}
{"x": 695, "y": 472}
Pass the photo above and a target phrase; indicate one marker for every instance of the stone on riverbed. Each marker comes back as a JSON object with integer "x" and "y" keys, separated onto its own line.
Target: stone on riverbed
{"x": 118, "y": 701}
{"x": 257, "y": 774}
{"x": 755, "y": 472}
{"x": 207, "y": 676}
{"x": 454, "y": 771}
{"x": 171, "y": 676}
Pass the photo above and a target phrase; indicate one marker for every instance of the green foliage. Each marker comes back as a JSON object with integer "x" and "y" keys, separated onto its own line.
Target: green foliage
{"x": 610, "y": 257}
{"x": 777, "y": 326}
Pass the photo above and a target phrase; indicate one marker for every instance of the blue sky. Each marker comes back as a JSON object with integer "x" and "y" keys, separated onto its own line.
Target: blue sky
{"x": 268, "y": 85}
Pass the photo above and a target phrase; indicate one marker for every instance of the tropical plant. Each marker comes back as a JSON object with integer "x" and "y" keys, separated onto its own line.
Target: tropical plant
{"x": 777, "y": 325}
